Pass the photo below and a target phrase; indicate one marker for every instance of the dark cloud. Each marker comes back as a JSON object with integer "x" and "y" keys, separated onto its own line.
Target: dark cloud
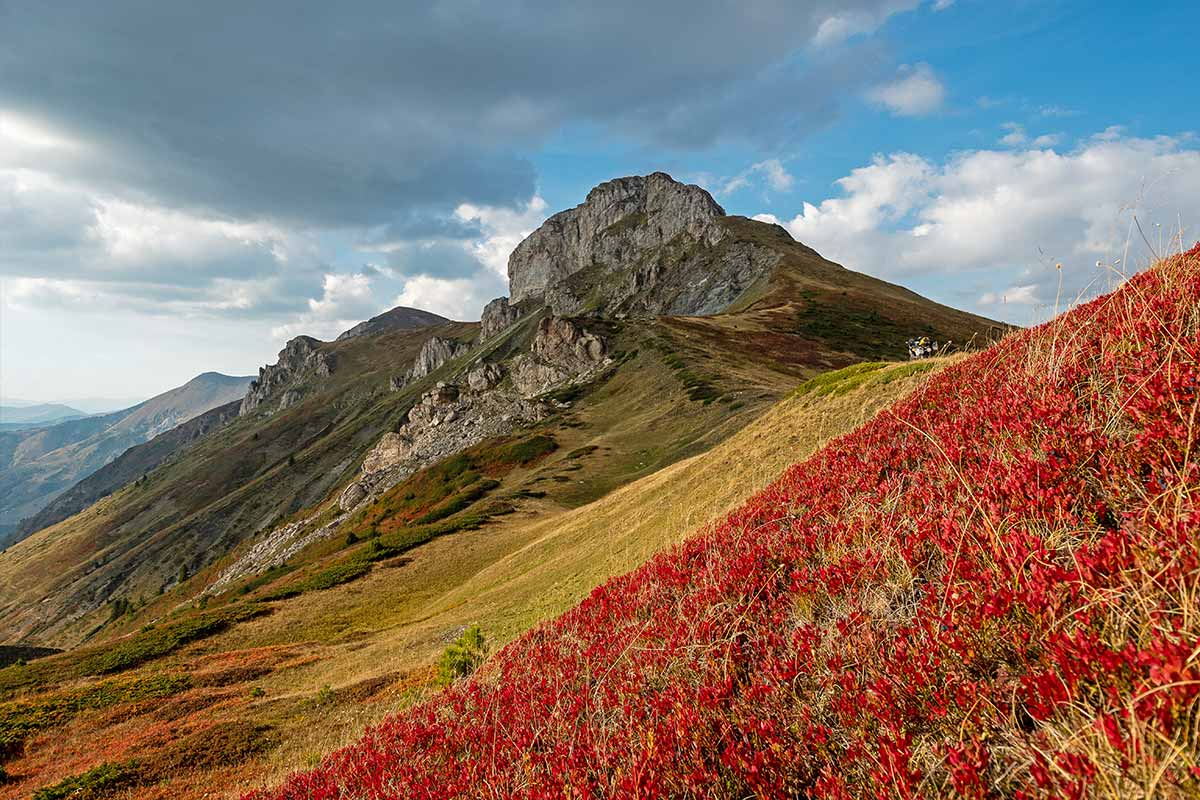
{"x": 435, "y": 259}
{"x": 321, "y": 114}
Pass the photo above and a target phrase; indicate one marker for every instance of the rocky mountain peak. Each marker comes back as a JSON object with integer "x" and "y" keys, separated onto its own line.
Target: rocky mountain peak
{"x": 620, "y": 220}
{"x": 282, "y": 384}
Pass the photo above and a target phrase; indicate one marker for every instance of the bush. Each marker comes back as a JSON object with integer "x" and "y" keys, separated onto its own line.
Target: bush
{"x": 95, "y": 783}
{"x": 462, "y": 657}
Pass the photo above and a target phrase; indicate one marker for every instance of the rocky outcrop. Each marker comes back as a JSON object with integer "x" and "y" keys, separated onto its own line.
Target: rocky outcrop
{"x": 434, "y": 353}
{"x": 450, "y": 418}
{"x": 484, "y": 377}
{"x": 497, "y": 316}
{"x": 561, "y": 351}
{"x": 275, "y": 549}
{"x": 445, "y": 421}
{"x": 639, "y": 245}
{"x": 302, "y": 364}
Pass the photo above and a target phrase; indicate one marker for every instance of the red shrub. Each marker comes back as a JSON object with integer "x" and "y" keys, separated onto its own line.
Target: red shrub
{"x": 991, "y": 589}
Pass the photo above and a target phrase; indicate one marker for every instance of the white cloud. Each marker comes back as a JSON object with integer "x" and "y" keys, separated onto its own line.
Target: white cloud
{"x": 503, "y": 229}
{"x": 849, "y": 22}
{"x": 916, "y": 91}
{"x": 771, "y": 171}
{"x": 1001, "y": 219}
{"x": 1016, "y": 295}
{"x": 1015, "y": 136}
{"x": 456, "y": 298}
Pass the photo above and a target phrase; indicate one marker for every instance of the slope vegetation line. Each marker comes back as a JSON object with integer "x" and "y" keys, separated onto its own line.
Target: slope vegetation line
{"x": 988, "y": 591}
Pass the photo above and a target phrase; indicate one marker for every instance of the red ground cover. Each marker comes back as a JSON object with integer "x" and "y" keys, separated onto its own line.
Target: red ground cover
{"x": 992, "y": 589}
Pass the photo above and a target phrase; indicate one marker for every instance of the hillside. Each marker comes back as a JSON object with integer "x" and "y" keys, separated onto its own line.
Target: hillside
{"x": 37, "y": 465}
{"x": 252, "y": 694}
{"x": 134, "y": 464}
{"x": 400, "y": 318}
{"x": 988, "y": 590}
{"x": 14, "y": 418}
{"x": 329, "y": 429}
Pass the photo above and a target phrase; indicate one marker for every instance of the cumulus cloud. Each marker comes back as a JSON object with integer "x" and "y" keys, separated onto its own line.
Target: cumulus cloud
{"x": 457, "y": 298}
{"x": 502, "y": 230}
{"x": 915, "y": 91}
{"x": 1001, "y": 220}
{"x": 770, "y": 172}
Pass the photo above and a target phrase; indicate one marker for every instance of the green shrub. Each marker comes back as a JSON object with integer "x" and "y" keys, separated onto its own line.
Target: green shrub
{"x": 95, "y": 783}
{"x": 159, "y": 641}
{"x": 458, "y": 502}
{"x": 527, "y": 451}
{"x": 333, "y": 575}
{"x": 462, "y": 657}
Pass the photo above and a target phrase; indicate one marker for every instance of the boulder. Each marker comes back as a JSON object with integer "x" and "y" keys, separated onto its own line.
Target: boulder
{"x": 484, "y": 377}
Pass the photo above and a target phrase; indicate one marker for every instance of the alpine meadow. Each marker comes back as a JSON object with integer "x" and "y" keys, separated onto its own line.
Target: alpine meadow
{"x": 708, "y": 400}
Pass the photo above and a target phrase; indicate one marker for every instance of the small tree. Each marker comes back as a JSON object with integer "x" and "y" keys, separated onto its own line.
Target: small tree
{"x": 462, "y": 657}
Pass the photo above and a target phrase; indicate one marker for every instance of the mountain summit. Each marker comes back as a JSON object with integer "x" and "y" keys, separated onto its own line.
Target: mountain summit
{"x": 400, "y": 318}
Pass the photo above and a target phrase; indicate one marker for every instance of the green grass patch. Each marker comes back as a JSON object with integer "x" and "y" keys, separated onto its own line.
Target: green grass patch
{"x": 97, "y": 782}
{"x": 327, "y": 578}
{"x": 527, "y": 451}
{"x": 459, "y": 502}
{"x": 839, "y": 381}
{"x": 839, "y": 323}
{"x": 159, "y": 641}
{"x": 906, "y": 371}
{"x": 270, "y": 576}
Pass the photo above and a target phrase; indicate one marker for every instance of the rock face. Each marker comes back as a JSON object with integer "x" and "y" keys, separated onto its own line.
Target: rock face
{"x": 445, "y": 421}
{"x": 636, "y": 246}
{"x": 561, "y": 351}
{"x": 433, "y": 354}
{"x": 450, "y": 418}
{"x": 497, "y": 316}
{"x": 484, "y": 377}
{"x": 302, "y": 363}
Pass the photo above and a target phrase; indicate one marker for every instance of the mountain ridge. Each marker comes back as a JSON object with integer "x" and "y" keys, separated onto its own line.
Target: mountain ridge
{"x": 37, "y": 465}
{"x": 327, "y": 430}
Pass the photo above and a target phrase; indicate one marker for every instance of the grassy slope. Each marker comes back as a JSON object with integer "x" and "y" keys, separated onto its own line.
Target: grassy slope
{"x": 220, "y": 491}
{"x": 987, "y": 591}
{"x": 372, "y": 640}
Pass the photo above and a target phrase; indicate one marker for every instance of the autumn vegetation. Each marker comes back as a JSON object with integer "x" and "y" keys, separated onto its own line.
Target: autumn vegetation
{"x": 992, "y": 589}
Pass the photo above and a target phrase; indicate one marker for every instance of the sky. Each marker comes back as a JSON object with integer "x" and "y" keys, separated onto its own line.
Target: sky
{"x": 186, "y": 186}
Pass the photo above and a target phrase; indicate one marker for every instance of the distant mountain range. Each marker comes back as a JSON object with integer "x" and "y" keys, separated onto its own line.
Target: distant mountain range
{"x": 38, "y": 463}
{"x": 14, "y": 418}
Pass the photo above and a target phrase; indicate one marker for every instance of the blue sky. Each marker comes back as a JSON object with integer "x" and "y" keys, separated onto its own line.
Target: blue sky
{"x": 183, "y": 189}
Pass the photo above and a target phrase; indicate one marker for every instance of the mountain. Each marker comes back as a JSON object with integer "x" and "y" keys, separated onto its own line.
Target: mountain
{"x": 967, "y": 597}
{"x": 37, "y": 465}
{"x": 130, "y": 466}
{"x": 400, "y": 318}
{"x": 364, "y": 479}
{"x": 32, "y": 416}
